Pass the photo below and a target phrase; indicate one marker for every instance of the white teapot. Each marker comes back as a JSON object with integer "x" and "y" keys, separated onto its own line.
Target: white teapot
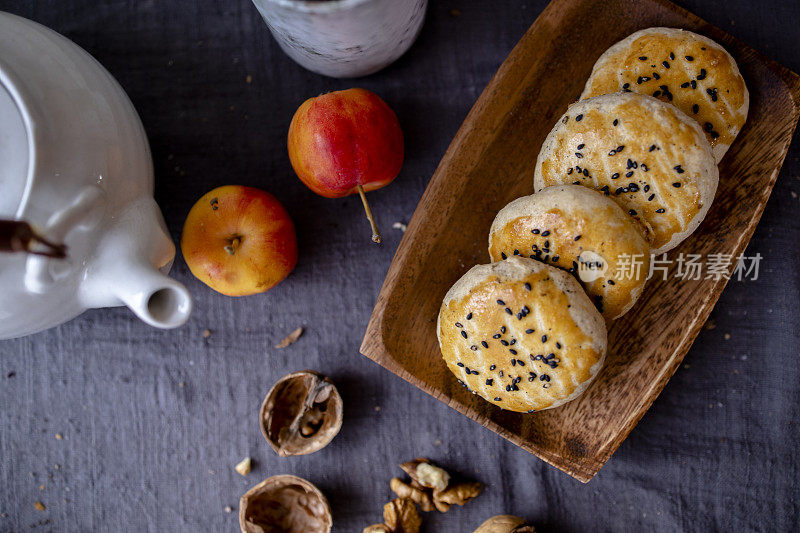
{"x": 75, "y": 164}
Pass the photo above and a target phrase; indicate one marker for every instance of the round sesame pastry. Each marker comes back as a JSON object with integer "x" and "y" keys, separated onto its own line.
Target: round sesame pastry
{"x": 645, "y": 154}
{"x": 521, "y": 334}
{"x": 583, "y": 232}
{"x": 690, "y": 71}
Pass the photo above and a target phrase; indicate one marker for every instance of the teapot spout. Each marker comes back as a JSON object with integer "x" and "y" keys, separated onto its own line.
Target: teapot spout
{"x": 130, "y": 265}
{"x": 155, "y": 298}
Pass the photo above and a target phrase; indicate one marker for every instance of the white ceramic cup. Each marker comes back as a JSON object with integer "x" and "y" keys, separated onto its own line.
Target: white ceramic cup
{"x": 344, "y": 38}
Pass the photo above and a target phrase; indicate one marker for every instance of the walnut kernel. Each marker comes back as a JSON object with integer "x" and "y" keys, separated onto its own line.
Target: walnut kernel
{"x": 401, "y": 516}
{"x": 419, "y": 496}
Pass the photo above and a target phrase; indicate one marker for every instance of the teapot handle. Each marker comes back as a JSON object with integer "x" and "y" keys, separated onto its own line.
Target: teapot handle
{"x": 84, "y": 212}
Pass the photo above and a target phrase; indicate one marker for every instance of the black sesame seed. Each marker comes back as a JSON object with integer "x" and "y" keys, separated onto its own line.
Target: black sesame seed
{"x": 642, "y": 58}
{"x": 463, "y": 333}
{"x": 500, "y": 373}
{"x": 535, "y": 231}
{"x": 459, "y": 325}
{"x": 509, "y": 311}
{"x": 577, "y": 237}
{"x": 632, "y": 187}
{"x": 496, "y": 336}
{"x": 650, "y": 198}
{"x": 695, "y": 108}
{"x": 504, "y": 342}
{"x": 678, "y": 169}
{"x": 529, "y": 331}
{"x": 671, "y": 55}
{"x": 544, "y": 338}
{"x": 612, "y": 152}
{"x": 620, "y": 148}
{"x": 611, "y": 282}
{"x": 503, "y": 255}
{"x": 580, "y": 146}
{"x": 685, "y": 85}
{"x": 545, "y": 233}
{"x": 513, "y": 363}
{"x": 653, "y": 147}
{"x": 641, "y": 79}
{"x": 516, "y": 252}
{"x": 627, "y": 85}
{"x": 665, "y": 63}
{"x": 469, "y": 316}
{"x": 693, "y": 84}
{"x": 579, "y": 155}
{"x": 702, "y": 74}
{"x": 520, "y": 362}
{"x": 497, "y": 399}
{"x": 689, "y": 58}
{"x": 644, "y": 168}
{"x": 473, "y": 347}
{"x": 546, "y": 244}
{"x": 615, "y": 175}
{"x": 578, "y": 118}
{"x": 656, "y": 94}
{"x": 527, "y": 286}
{"x": 500, "y": 302}
{"x": 660, "y": 210}
{"x": 484, "y": 344}
{"x": 629, "y": 174}
{"x": 555, "y": 259}
{"x": 616, "y": 121}
{"x": 502, "y": 329}
{"x": 656, "y": 76}
{"x": 544, "y": 377}
{"x": 550, "y": 356}
{"x": 558, "y": 345}
{"x": 492, "y": 367}
{"x": 712, "y": 93}
{"x": 489, "y": 381}
{"x": 460, "y": 364}
{"x": 708, "y": 126}
{"x": 632, "y": 212}
{"x": 677, "y": 184}
{"x": 513, "y": 351}
{"x": 586, "y": 172}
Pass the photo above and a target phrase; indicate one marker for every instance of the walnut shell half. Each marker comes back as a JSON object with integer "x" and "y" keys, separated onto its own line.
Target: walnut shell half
{"x": 301, "y": 414}
{"x": 505, "y": 523}
{"x": 284, "y": 504}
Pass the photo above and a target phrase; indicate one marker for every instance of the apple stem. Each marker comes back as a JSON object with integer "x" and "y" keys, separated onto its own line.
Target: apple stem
{"x": 376, "y": 235}
{"x": 231, "y": 248}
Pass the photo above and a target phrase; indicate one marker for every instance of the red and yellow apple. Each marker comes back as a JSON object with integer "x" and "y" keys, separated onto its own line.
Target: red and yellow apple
{"x": 346, "y": 142}
{"x": 239, "y": 240}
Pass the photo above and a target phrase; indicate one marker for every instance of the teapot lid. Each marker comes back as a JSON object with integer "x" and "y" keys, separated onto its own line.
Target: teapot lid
{"x": 14, "y": 154}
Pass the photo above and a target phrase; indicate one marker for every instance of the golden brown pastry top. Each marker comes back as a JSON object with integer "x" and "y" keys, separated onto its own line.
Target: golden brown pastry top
{"x": 579, "y": 230}
{"x": 521, "y": 334}
{"x": 646, "y": 155}
{"x": 690, "y": 71}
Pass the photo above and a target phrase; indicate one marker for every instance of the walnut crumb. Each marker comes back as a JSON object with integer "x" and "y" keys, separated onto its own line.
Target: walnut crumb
{"x": 244, "y": 466}
{"x": 39, "y": 506}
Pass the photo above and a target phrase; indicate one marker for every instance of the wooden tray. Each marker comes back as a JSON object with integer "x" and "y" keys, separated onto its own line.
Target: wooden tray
{"x": 491, "y": 161}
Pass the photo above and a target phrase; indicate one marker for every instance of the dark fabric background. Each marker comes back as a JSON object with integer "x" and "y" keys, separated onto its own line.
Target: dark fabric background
{"x": 154, "y": 421}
